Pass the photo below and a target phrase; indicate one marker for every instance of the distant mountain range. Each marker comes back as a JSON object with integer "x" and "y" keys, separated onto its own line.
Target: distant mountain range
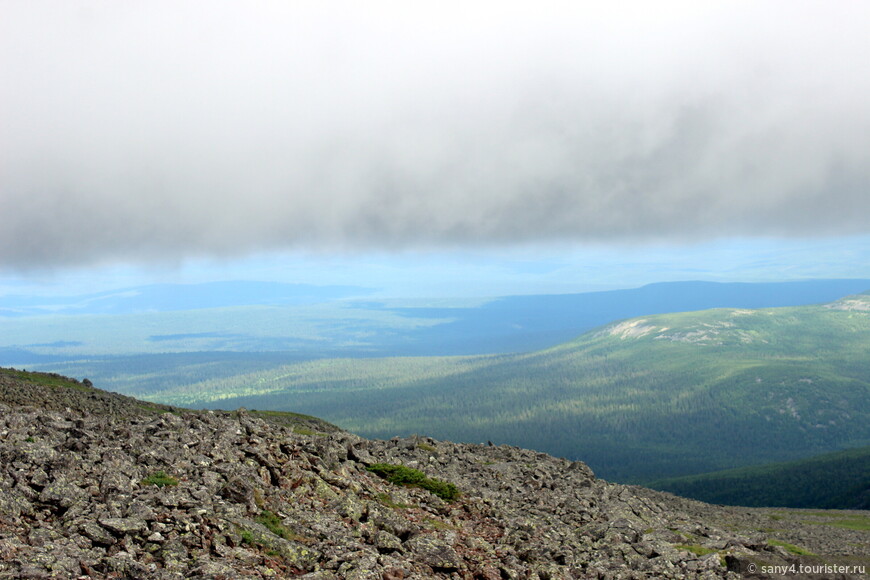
{"x": 332, "y": 321}
{"x": 525, "y": 323}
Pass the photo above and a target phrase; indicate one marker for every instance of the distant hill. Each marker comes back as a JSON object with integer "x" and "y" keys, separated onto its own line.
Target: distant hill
{"x": 526, "y": 323}
{"x": 640, "y": 399}
{"x": 839, "y": 480}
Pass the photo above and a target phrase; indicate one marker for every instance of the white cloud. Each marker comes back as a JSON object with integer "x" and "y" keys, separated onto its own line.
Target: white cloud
{"x": 163, "y": 130}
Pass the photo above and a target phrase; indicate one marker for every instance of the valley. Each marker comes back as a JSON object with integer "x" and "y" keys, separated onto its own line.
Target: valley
{"x": 832, "y": 480}
{"x": 640, "y": 399}
{"x": 658, "y": 396}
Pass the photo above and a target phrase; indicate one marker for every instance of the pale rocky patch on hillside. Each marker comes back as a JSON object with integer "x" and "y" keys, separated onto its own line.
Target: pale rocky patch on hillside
{"x": 853, "y": 303}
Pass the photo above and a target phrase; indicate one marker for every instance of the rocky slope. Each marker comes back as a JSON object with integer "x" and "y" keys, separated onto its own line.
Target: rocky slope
{"x": 96, "y": 485}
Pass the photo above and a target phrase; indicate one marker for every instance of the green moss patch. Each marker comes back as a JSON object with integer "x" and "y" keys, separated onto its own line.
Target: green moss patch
{"x": 160, "y": 479}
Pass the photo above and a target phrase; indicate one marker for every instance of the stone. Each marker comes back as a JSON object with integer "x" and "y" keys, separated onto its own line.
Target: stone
{"x": 433, "y": 551}
{"x": 61, "y": 493}
{"x": 121, "y": 526}
{"x": 83, "y": 511}
{"x": 386, "y": 542}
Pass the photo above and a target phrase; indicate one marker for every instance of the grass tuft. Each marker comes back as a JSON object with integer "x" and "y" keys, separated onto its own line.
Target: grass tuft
{"x": 274, "y": 525}
{"x": 387, "y": 500}
{"x": 791, "y": 548}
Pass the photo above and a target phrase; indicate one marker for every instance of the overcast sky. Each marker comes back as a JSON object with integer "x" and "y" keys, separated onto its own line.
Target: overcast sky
{"x": 158, "y": 132}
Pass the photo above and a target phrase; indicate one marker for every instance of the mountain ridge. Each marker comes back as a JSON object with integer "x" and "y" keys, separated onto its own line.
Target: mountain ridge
{"x": 317, "y": 322}
{"x": 101, "y": 486}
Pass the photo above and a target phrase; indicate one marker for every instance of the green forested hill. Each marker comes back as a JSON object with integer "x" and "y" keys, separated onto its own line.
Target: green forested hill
{"x": 641, "y": 399}
{"x": 839, "y": 480}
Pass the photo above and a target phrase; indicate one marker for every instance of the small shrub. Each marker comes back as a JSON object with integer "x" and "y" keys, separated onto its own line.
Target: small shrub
{"x": 398, "y": 474}
{"x": 247, "y": 537}
{"x": 442, "y": 489}
{"x": 274, "y": 525}
{"x": 160, "y": 479}
{"x": 401, "y": 475}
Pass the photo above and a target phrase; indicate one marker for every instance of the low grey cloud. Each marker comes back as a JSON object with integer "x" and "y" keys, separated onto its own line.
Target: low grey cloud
{"x": 164, "y": 130}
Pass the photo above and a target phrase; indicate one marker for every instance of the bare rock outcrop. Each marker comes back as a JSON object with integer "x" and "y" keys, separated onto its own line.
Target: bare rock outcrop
{"x": 94, "y": 485}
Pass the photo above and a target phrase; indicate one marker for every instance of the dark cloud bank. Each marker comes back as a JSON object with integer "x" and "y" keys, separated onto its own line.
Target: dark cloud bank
{"x": 159, "y": 130}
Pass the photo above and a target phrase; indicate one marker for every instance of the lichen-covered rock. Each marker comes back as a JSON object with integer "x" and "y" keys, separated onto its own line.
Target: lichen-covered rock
{"x": 245, "y": 498}
{"x": 122, "y": 526}
{"x": 386, "y": 542}
{"x": 434, "y": 551}
{"x": 294, "y": 554}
